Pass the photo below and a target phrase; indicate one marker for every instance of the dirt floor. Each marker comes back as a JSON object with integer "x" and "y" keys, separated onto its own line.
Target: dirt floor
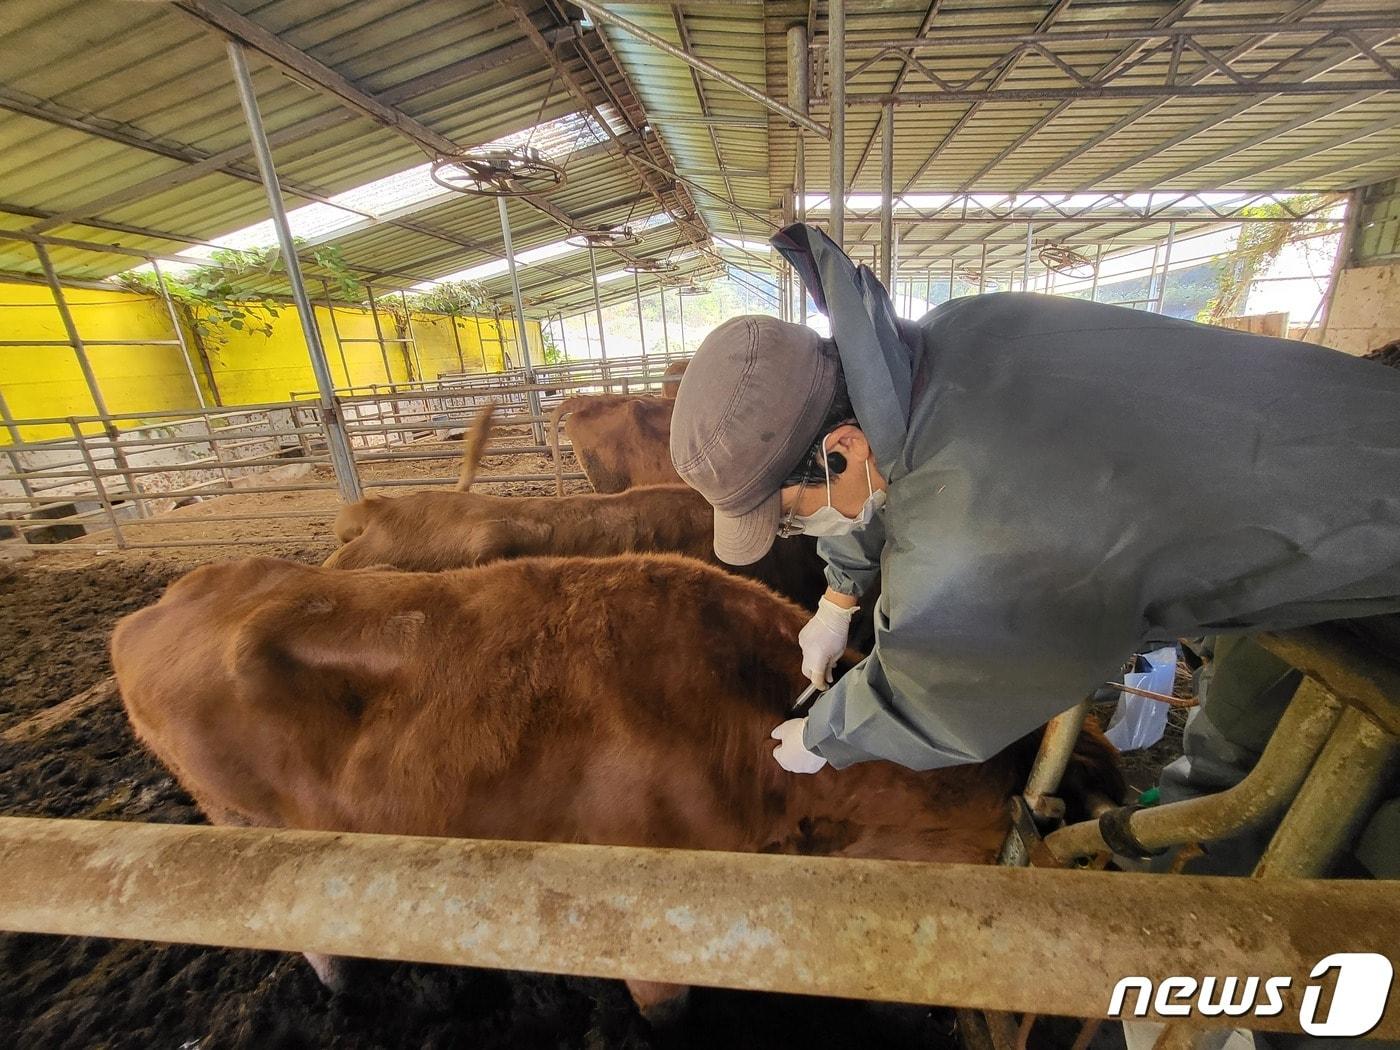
{"x": 56, "y": 613}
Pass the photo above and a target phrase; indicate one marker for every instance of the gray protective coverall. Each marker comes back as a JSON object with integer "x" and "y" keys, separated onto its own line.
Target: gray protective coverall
{"x": 1046, "y": 513}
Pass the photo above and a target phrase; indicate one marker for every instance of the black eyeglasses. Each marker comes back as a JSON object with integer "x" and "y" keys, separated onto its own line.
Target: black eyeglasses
{"x": 788, "y": 526}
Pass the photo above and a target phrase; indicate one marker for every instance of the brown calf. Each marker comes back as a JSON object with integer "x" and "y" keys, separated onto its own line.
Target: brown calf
{"x": 620, "y": 441}
{"x": 623, "y": 701}
{"x": 671, "y": 378}
{"x": 432, "y": 531}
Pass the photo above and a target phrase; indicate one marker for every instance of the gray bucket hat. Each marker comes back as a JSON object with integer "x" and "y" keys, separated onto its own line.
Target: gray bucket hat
{"x": 753, "y": 401}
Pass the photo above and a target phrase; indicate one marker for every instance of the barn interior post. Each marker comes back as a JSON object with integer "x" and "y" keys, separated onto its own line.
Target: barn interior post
{"x": 99, "y": 402}
{"x": 836, "y": 70}
{"x": 1166, "y": 268}
{"x": 799, "y": 97}
{"x": 1026, "y": 271}
{"x": 665, "y": 324}
{"x": 597, "y": 302}
{"x": 481, "y": 341}
{"x": 641, "y": 327}
{"x": 335, "y": 331}
{"x": 887, "y": 194}
{"x": 379, "y": 337}
{"x": 337, "y": 440}
{"x": 65, "y": 315}
{"x": 179, "y": 332}
{"x": 1094, "y": 283}
{"x": 410, "y": 337}
{"x": 522, "y": 329}
{"x": 563, "y": 335}
{"x": 457, "y": 342}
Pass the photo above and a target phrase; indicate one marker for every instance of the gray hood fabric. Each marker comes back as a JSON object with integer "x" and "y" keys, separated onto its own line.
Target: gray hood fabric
{"x": 1049, "y": 510}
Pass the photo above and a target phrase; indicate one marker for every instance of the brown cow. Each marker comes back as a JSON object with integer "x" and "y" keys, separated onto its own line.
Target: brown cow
{"x": 620, "y": 441}
{"x": 623, "y": 701}
{"x": 671, "y": 378}
{"x": 432, "y": 531}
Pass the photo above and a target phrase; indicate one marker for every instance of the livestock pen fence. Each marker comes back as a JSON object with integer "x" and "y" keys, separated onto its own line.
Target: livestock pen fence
{"x": 108, "y": 476}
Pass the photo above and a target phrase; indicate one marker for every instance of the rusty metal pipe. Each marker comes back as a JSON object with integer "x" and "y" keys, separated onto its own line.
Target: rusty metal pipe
{"x": 1335, "y": 801}
{"x": 1270, "y": 786}
{"x": 1056, "y": 747}
{"x": 888, "y": 930}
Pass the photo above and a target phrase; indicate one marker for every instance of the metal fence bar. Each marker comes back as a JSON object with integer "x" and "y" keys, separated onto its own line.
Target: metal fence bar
{"x": 97, "y": 485}
{"x": 15, "y": 440}
{"x": 194, "y": 457}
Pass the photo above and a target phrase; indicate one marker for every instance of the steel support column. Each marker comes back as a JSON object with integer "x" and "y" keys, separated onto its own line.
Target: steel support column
{"x": 70, "y": 328}
{"x": 335, "y": 331}
{"x": 179, "y": 333}
{"x": 564, "y": 335}
{"x": 1026, "y": 275}
{"x": 1166, "y": 268}
{"x": 99, "y": 402}
{"x": 641, "y": 327}
{"x": 457, "y": 345}
{"x": 522, "y": 327}
{"x": 379, "y": 337}
{"x": 836, "y": 70}
{"x": 597, "y": 302}
{"x": 887, "y": 195}
{"x": 665, "y": 325}
{"x": 799, "y": 77}
{"x": 337, "y": 440}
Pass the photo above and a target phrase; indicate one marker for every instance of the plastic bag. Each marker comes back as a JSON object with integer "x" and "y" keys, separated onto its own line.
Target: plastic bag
{"x": 1139, "y": 722}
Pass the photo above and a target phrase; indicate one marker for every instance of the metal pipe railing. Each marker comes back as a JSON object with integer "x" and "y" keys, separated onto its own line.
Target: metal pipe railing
{"x": 1260, "y": 797}
{"x": 213, "y": 447}
{"x": 927, "y": 933}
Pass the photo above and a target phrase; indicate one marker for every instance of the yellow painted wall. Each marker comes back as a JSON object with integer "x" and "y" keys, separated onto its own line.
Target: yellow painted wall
{"x": 45, "y": 382}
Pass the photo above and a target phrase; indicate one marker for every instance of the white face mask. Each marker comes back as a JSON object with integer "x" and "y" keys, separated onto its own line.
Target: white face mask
{"x": 828, "y": 521}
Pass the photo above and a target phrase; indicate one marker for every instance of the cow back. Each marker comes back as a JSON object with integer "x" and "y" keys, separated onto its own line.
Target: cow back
{"x": 623, "y": 701}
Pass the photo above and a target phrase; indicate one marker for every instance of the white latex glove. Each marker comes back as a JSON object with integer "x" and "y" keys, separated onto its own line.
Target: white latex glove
{"x": 790, "y": 752}
{"x": 823, "y": 641}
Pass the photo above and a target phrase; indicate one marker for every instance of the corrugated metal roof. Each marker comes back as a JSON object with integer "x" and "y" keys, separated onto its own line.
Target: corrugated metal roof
{"x": 110, "y": 113}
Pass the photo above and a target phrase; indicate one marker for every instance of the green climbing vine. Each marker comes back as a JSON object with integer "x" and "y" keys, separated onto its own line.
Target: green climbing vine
{"x": 453, "y": 298}
{"x": 1259, "y": 245}
{"x": 214, "y": 298}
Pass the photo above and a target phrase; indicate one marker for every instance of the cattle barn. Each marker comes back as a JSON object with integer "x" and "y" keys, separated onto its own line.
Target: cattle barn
{"x": 367, "y": 676}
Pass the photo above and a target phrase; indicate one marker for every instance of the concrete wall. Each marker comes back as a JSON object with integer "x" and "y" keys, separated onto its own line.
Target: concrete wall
{"x": 45, "y": 382}
{"x": 1365, "y": 310}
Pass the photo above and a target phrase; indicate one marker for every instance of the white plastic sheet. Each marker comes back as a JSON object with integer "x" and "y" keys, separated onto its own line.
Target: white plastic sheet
{"x": 1139, "y": 722}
